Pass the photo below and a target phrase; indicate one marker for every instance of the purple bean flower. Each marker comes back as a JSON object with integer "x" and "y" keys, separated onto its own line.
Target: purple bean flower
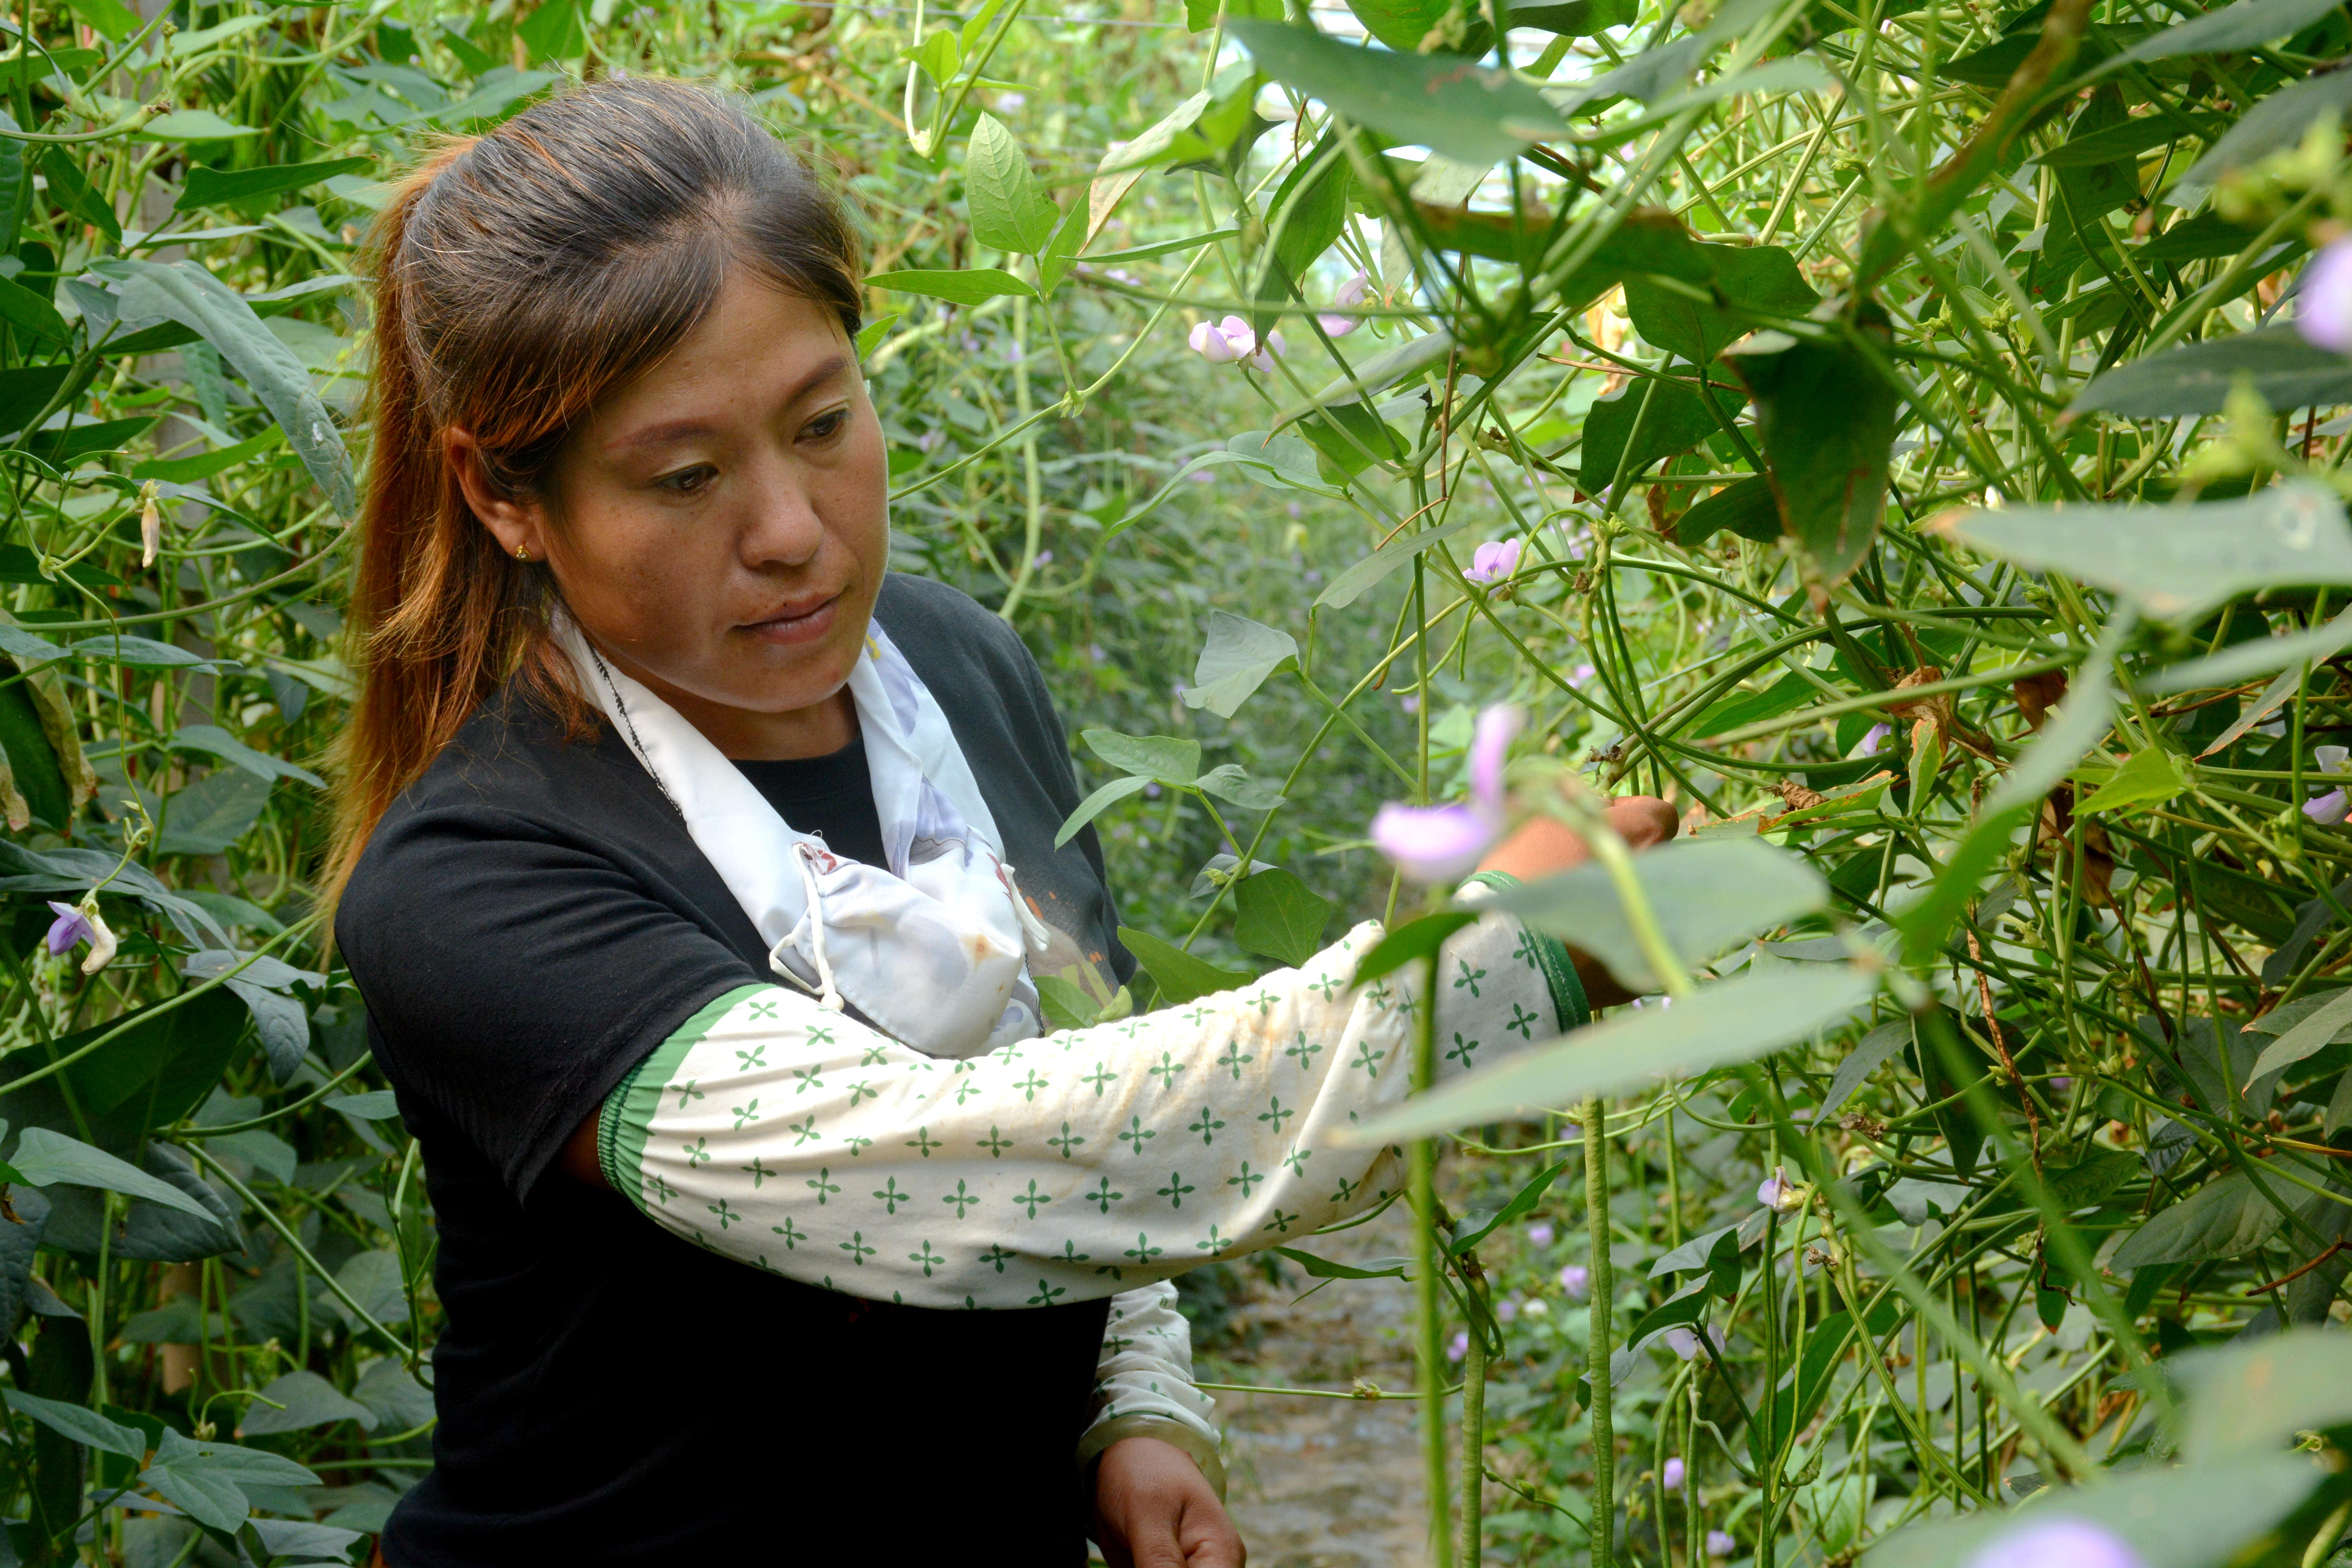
{"x": 1777, "y": 1192}
{"x": 1211, "y": 344}
{"x": 1681, "y": 1341}
{"x": 2056, "y": 1544}
{"x": 1506, "y": 1309}
{"x": 1873, "y": 740}
{"x": 2062, "y": 1085}
{"x": 1432, "y": 844}
{"x": 1460, "y": 1347}
{"x": 2328, "y": 809}
{"x": 1495, "y": 561}
{"x": 1721, "y": 1544}
{"x": 1231, "y": 340}
{"x": 2323, "y": 301}
{"x": 1671, "y": 1479}
{"x": 70, "y": 929}
{"x": 1577, "y": 1281}
{"x": 1539, "y": 1234}
{"x": 1347, "y": 297}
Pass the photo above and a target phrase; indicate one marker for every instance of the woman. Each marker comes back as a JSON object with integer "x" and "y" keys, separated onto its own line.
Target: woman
{"x": 694, "y": 864}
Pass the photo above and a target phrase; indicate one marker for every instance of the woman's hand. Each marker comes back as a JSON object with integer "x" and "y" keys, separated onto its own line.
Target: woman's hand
{"x": 1545, "y": 846}
{"x": 1154, "y": 1509}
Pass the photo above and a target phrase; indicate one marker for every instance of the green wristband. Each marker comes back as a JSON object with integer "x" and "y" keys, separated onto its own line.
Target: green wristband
{"x": 1570, "y": 1008}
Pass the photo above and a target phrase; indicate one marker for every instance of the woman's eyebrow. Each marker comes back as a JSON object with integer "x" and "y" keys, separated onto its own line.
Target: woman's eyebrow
{"x": 671, "y": 430}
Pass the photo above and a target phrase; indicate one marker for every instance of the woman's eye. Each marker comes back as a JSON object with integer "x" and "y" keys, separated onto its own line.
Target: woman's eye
{"x": 825, "y": 426}
{"x": 690, "y": 481}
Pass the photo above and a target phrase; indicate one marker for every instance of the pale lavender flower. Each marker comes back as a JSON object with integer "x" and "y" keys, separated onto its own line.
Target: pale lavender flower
{"x": 1681, "y": 1341}
{"x": 1582, "y": 672}
{"x": 1432, "y": 844}
{"x": 1045, "y": 558}
{"x": 1721, "y": 1544}
{"x": 1490, "y": 747}
{"x": 1460, "y": 1347}
{"x": 2062, "y": 1085}
{"x": 1672, "y": 1477}
{"x": 1871, "y": 742}
{"x": 2328, "y": 810}
{"x": 1577, "y": 1281}
{"x": 70, "y": 929}
{"x": 2056, "y": 1544}
{"x": 1777, "y": 1192}
{"x": 1493, "y": 561}
{"x": 1211, "y": 344}
{"x": 1264, "y": 359}
{"x": 1012, "y": 102}
{"x": 2323, "y": 302}
{"x": 1347, "y": 297}
{"x": 1539, "y": 1234}
{"x": 1506, "y": 1309}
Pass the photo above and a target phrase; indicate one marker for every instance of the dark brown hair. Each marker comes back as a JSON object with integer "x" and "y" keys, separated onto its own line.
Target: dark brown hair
{"x": 520, "y": 276}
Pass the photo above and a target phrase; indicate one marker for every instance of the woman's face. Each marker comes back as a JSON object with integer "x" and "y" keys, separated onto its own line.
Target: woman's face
{"x": 721, "y": 526}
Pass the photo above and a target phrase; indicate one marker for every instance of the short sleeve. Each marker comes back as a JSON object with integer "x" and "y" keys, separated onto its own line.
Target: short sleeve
{"x": 513, "y": 974}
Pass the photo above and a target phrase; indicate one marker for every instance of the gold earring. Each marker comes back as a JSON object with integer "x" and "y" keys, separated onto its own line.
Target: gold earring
{"x": 523, "y": 552}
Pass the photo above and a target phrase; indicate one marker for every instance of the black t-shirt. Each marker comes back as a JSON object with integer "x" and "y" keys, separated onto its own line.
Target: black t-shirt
{"x": 530, "y": 920}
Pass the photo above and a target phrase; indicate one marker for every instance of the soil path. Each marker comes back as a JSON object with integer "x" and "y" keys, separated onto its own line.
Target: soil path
{"x": 1327, "y": 1483}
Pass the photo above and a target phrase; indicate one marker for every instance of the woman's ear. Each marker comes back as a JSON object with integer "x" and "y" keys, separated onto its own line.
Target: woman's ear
{"x": 519, "y": 526}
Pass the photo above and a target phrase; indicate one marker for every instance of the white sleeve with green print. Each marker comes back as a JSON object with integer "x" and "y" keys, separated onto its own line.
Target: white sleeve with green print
{"x": 1083, "y": 1163}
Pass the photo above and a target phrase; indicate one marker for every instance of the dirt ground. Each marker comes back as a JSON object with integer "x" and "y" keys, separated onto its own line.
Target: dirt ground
{"x": 1327, "y": 1483}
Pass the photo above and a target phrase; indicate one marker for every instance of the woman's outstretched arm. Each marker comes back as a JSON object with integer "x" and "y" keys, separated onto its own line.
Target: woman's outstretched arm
{"x": 1077, "y": 1165}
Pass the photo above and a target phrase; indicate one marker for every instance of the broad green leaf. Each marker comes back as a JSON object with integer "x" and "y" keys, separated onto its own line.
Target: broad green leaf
{"x": 110, "y": 19}
{"x": 2232, "y": 28}
{"x": 35, "y": 772}
{"x": 1747, "y": 508}
{"x": 1762, "y": 279}
{"x": 142, "y": 653}
{"x": 1473, "y": 1227}
{"x": 1402, "y": 24}
{"x": 157, "y": 1070}
{"x": 1413, "y": 940}
{"x": 2148, "y": 777}
{"x": 70, "y": 190}
{"x": 1717, "y": 1025}
{"x": 64, "y": 444}
{"x": 2165, "y": 1516}
{"x": 1575, "y": 18}
{"x": 207, "y": 1479}
{"x": 1281, "y": 460}
{"x": 1122, "y": 167}
{"x": 185, "y": 292}
{"x": 1878, "y": 1046}
{"x": 1358, "y": 578}
{"x": 940, "y": 56}
{"x": 2080, "y": 721}
{"x": 2256, "y": 1397}
{"x": 973, "y": 285}
{"x": 2278, "y": 120}
{"x": 34, "y": 317}
{"x": 45, "y": 1158}
{"x": 1101, "y": 800}
{"x": 1331, "y": 1268}
{"x": 238, "y": 187}
{"x": 188, "y": 471}
{"x": 216, "y": 742}
{"x": 376, "y": 1105}
{"x": 553, "y": 32}
{"x": 2090, "y": 1179}
{"x": 1468, "y": 113}
{"x": 1009, "y": 209}
{"x": 1645, "y": 420}
{"x": 297, "y": 1402}
{"x": 1229, "y": 782}
{"x": 2307, "y": 1037}
{"x": 1235, "y": 661}
{"x": 1708, "y": 896}
{"x": 2133, "y": 137}
{"x": 374, "y": 1280}
{"x": 1307, "y": 212}
{"x": 2174, "y": 562}
{"x": 871, "y": 335}
{"x": 1280, "y": 917}
{"x": 2225, "y": 1218}
{"x": 212, "y": 813}
{"x": 2195, "y": 378}
{"x": 1065, "y": 1004}
{"x": 2247, "y": 659}
{"x": 1827, "y": 417}
{"x": 84, "y": 1425}
{"x": 1164, "y": 758}
{"x": 1179, "y": 975}
{"x": 193, "y": 125}
{"x": 1741, "y": 708}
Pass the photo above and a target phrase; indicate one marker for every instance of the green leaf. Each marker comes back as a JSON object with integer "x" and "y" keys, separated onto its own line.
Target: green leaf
{"x": 2080, "y": 721}
{"x": 1009, "y": 209}
{"x": 1066, "y": 1006}
{"x": 71, "y": 191}
{"x": 207, "y": 1479}
{"x": 85, "y": 1426}
{"x": 1331, "y": 1268}
{"x": 297, "y": 1402}
{"x": 374, "y": 1280}
{"x": 1467, "y": 113}
{"x": 1761, "y": 279}
{"x": 213, "y": 741}
{"x": 110, "y": 19}
{"x": 45, "y": 1158}
{"x": 2226, "y": 1218}
{"x": 2278, "y": 120}
{"x": 2233, "y": 28}
{"x": 2283, "y": 370}
{"x": 1717, "y": 1026}
{"x": 185, "y": 292}
{"x": 242, "y": 188}
{"x": 376, "y": 1105}
{"x": 142, "y": 653}
{"x": 1746, "y": 508}
{"x": 2174, "y": 562}
{"x": 1235, "y": 661}
{"x": 2246, "y": 659}
{"x": 1308, "y": 216}
{"x": 1228, "y": 782}
{"x": 2087, "y": 149}
{"x": 64, "y": 444}
{"x": 1474, "y": 1228}
{"x": 1827, "y": 417}
{"x": 2307, "y": 1037}
{"x": 1413, "y": 940}
{"x": 162, "y": 1064}
{"x": 1110, "y": 794}
{"x": 973, "y": 285}
{"x": 1709, "y": 895}
{"x": 2257, "y": 1397}
{"x": 193, "y": 125}
{"x": 1280, "y": 917}
{"x": 2148, "y": 777}
{"x": 188, "y": 471}
{"x": 1359, "y": 578}
{"x": 36, "y": 318}
{"x": 870, "y": 335}
{"x": 1181, "y": 976}
{"x": 1659, "y": 418}
{"x": 1880, "y": 1045}
{"x": 1739, "y": 708}
{"x": 940, "y": 56}
{"x": 214, "y": 811}
{"x": 553, "y": 32}
{"x": 2091, "y": 1179}
{"x": 35, "y": 770}
{"x": 1402, "y": 24}
{"x": 1165, "y": 758}
{"x": 1575, "y": 18}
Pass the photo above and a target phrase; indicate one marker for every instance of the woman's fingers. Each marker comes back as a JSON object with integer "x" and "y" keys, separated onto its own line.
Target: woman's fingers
{"x": 1154, "y": 1509}
{"x": 1641, "y": 820}
{"x": 1545, "y": 846}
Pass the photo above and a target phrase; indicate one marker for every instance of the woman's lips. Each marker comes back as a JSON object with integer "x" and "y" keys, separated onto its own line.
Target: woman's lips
{"x": 796, "y": 624}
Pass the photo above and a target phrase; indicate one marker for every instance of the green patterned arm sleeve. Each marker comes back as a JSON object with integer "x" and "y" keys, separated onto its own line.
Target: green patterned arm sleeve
{"x": 1080, "y": 1165}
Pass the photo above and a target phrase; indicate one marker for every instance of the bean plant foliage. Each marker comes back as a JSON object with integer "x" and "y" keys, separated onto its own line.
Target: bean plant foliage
{"x": 1887, "y": 431}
